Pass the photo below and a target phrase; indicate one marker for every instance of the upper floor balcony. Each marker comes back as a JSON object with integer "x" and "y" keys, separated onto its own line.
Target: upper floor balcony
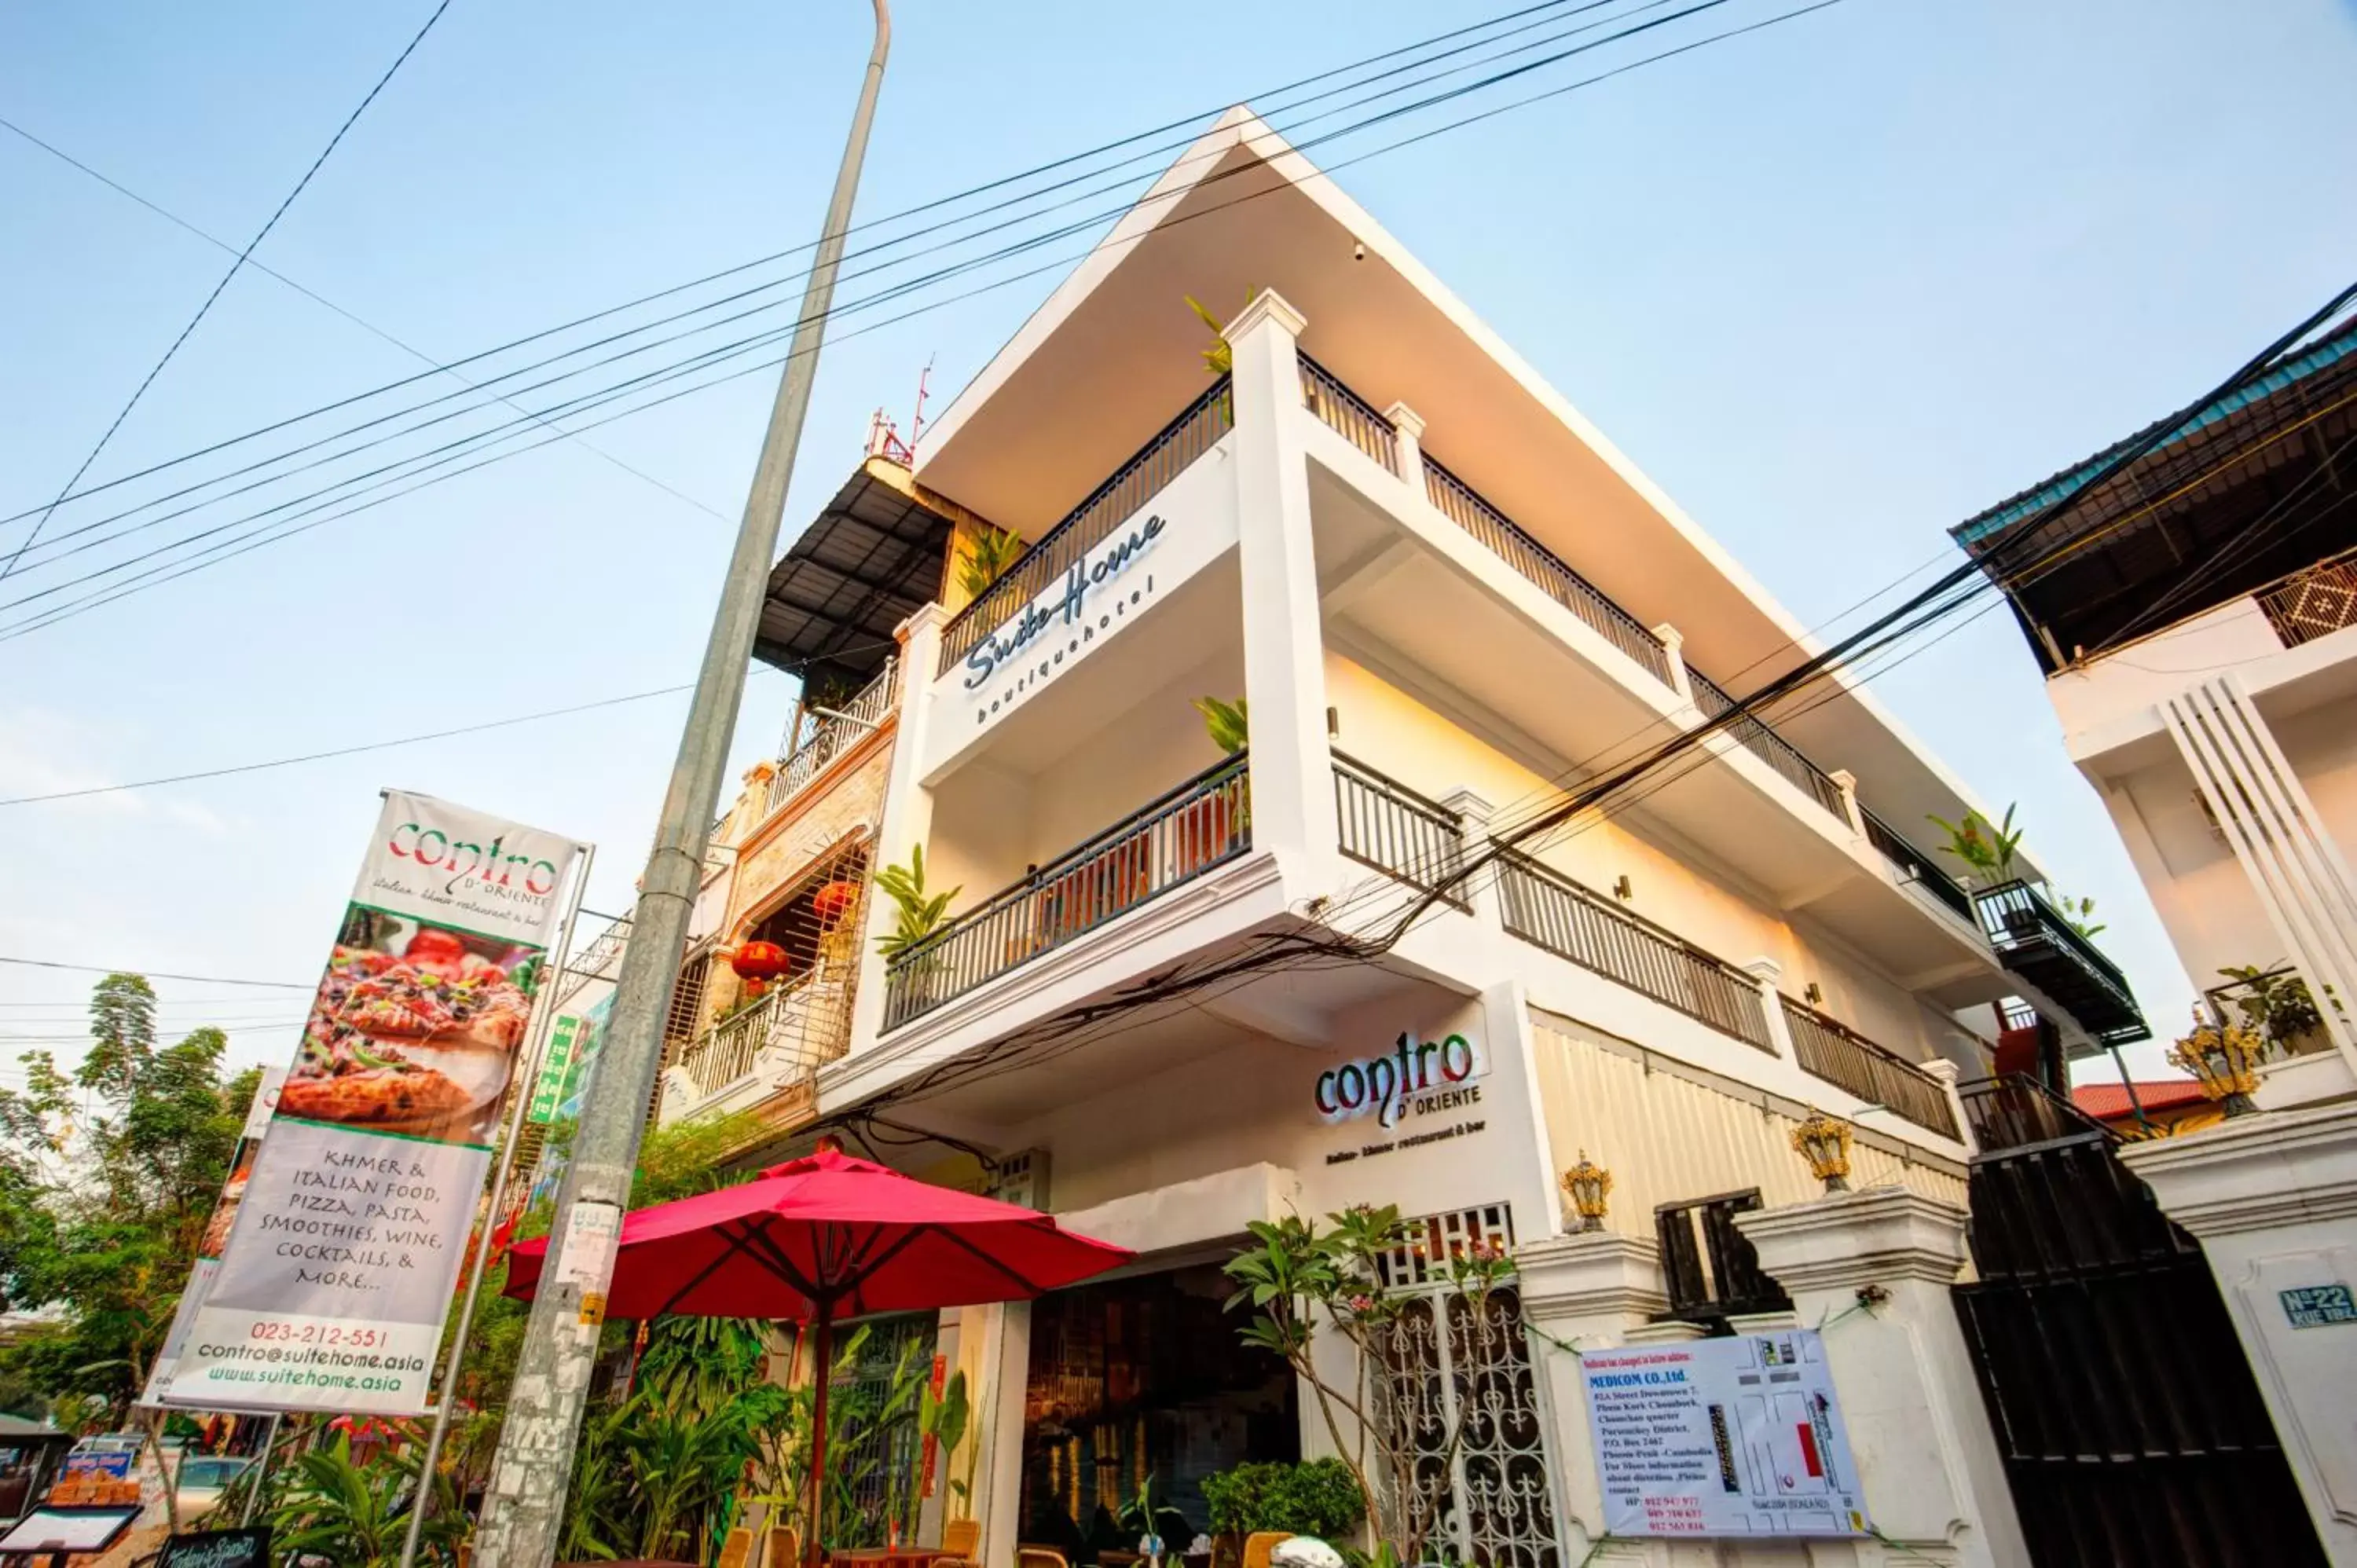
{"x": 1205, "y": 823}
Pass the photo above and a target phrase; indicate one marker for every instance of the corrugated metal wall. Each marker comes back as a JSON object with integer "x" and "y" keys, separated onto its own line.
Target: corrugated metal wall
{"x": 1669, "y": 1132}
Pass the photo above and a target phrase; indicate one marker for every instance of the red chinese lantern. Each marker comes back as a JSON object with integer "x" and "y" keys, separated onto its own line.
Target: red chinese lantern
{"x": 834, "y": 900}
{"x": 757, "y": 963}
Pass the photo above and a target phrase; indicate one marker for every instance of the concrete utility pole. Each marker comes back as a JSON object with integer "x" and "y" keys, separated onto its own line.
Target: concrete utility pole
{"x": 524, "y": 1510}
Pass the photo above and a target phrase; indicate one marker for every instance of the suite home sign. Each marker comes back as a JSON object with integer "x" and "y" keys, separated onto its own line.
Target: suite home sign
{"x": 1036, "y": 643}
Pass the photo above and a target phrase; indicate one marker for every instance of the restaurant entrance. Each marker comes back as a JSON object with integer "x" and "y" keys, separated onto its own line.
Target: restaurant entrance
{"x": 1143, "y": 1377}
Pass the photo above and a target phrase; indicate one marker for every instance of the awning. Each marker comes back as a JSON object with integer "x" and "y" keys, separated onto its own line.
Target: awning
{"x": 865, "y": 563}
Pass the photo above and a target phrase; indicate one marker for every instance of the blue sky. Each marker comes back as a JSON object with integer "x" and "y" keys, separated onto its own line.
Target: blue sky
{"x": 1834, "y": 285}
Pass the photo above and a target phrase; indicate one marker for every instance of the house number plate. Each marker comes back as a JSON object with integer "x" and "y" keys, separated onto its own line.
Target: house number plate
{"x": 2318, "y": 1306}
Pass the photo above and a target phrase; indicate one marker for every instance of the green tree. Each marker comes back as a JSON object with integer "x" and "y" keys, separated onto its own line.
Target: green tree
{"x": 107, "y": 1177}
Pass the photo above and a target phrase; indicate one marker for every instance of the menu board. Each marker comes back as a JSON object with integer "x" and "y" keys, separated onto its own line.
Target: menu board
{"x": 1722, "y": 1437}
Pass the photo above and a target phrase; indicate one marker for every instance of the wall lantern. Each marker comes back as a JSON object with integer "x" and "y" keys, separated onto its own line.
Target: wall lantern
{"x": 2225, "y": 1058}
{"x": 1824, "y": 1140}
{"x": 1588, "y": 1184}
{"x": 757, "y": 963}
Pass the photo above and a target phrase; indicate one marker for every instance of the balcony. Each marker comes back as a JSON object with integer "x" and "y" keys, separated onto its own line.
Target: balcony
{"x": 1918, "y": 869}
{"x": 1162, "y": 459}
{"x": 2034, "y": 941}
{"x": 830, "y": 733}
{"x": 2317, "y": 602}
{"x": 1832, "y": 1050}
{"x": 776, "y": 1044}
{"x": 1351, "y": 417}
{"x": 1386, "y": 825}
{"x": 1550, "y": 910}
{"x": 1768, "y": 745}
{"x": 1204, "y": 823}
{"x": 1462, "y": 505}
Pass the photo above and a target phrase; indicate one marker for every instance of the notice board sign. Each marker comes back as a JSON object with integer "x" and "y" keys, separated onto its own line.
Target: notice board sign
{"x": 1722, "y": 1437}
{"x": 218, "y": 1549}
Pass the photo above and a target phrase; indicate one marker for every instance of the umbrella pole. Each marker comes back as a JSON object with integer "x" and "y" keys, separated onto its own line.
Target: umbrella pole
{"x": 821, "y": 1374}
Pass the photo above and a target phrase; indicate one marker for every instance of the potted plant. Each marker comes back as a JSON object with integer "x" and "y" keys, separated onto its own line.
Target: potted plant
{"x": 2278, "y": 1005}
{"x": 1225, "y": 816}
{"x": 918, "y": 916}
{"x": 1301, "y": 1281}
{"x": 1986, "y": 851}
{"x": 989, "y": 551}
{"x": 1319, "y": 1498}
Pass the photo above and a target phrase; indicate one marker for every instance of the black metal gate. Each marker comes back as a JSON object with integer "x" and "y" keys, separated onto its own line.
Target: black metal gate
{"x": 2132, "y": 1429}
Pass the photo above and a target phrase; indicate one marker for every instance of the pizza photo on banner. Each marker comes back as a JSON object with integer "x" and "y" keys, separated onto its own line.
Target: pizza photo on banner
{"x": 340, "y": 1263}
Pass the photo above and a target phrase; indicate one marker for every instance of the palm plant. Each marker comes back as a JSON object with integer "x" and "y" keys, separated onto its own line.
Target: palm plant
{"x": 1985, "y": 850}
{"x": 1228, "y": 723}
{"x": 989, "y": 551}
{"x": 918, "y": 913}
{"x": 356, "y": 1516}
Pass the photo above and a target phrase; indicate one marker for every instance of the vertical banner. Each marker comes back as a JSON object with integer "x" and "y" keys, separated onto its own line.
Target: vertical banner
{"x": 216, "y": 1236}
{"x": 345, "y": 1250}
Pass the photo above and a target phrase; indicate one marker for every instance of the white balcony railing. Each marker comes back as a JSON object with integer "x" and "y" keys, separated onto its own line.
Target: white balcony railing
{"x": 829, "y": 734}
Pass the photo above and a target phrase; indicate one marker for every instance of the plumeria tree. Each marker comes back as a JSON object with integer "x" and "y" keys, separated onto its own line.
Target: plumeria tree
{"x": 1301, "y": 1281}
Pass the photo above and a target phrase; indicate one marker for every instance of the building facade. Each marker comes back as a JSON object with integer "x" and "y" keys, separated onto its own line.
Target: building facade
{"x": 1234, "y": 709}
{"x": 2195, "y": 613}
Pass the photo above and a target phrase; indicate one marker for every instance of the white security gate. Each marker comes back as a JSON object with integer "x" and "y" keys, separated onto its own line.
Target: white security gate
{"x": 1450, "y": 1358}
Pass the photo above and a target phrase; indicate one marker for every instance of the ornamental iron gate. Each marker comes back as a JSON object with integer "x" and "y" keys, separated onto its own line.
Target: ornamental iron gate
{"x": 2131, "y": 1427}
{"x": 1450, "y": 1357}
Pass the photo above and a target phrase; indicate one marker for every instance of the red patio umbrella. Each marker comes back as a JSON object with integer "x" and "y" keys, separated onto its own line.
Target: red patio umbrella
{"x": 826, "y": 1237}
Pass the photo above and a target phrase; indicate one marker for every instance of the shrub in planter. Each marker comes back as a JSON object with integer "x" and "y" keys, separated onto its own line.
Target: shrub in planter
{"x": 1321, "y": 1498}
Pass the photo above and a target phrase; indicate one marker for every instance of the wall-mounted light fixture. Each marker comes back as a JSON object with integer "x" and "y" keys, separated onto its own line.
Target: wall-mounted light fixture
{"x": 1814, "y": 995}
{"x": 1623, "y": 891}
{"x": 1333, "y": 723}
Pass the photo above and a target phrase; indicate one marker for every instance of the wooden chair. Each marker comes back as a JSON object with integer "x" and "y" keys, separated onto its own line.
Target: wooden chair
{"x": 783, "y": 1547}
{"x": 1260, "y": 1543}
{"x": 1039, "y": 1557}
{"x": 736, "y": 1551}
{"x": 962, "y": 1540}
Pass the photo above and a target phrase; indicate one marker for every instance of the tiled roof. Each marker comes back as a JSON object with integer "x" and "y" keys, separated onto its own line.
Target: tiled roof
{"x": 2293, "y": 367}
{"x": 2106, "y": 1101}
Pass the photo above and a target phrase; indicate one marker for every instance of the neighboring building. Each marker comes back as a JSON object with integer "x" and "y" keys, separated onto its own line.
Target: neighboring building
{"x": 2196, "y": 617}
{"x": 1444, "y": 597}
{"x": 2149, "y": 1108}
{"x": 2194, "y": 614}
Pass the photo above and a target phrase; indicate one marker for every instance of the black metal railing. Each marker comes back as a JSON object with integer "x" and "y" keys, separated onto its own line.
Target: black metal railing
{"x": 1170, "y": 840}
{"x": 1917, "y": 868}
{"x": 1323, "y": 393}
{"x": 1463, "y": 505}
{"x": 1543, "y": 906}
{"x": 1173, "y": 449}
{"x": 2017, "y": 1111}
{"x": 1768, "y": 745}
{"x": 1830, "y": 1050}
{"x": 1710, "y": 1267}
{"x": 2028, "y": 931}
{"x": 1383, "y": 823}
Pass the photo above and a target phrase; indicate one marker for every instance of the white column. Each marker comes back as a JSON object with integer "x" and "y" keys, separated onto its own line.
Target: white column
{"x": 1934, "y": 1480}
{"x": 1769, "y": 973}
{"x": 1673, "y": 646}
{"x": 1480, "y": 891}
{"x": 999, "y": 1427}
{"x": 1285, "y": 659}
{"x": 1408, "y": 444}
{"x": 1589, "y": 1292}
{"x": 907, "y": 814}
{"x": 2297, "y": 869}
{"x": 2274, "y": 1201}
{"x": 1949, "y": 1075}
{"x": 1847, "y": 782}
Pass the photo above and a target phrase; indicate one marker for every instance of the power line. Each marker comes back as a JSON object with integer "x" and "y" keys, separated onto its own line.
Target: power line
{"x": 763, "y": 261}
{"x": 166, "y": 573}
{"x": 324, "y": 301}
{"x": 158, "y": 974}
{"x": 260, "y": 234}
{"x": 347, "y": 750}
{"x": 753, "y": 310}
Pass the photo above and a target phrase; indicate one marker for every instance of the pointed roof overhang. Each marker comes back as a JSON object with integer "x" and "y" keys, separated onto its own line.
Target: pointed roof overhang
{"x": 1115, "y": 350}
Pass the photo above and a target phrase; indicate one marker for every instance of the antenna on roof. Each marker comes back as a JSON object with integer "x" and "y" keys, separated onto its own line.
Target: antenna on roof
{"x": 883, "y": 435}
